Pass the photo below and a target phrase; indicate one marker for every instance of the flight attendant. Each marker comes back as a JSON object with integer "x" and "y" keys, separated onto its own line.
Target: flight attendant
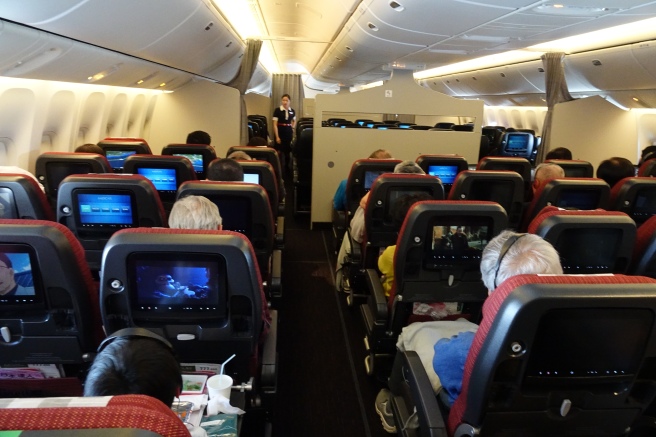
{"x": 284, "y": 121}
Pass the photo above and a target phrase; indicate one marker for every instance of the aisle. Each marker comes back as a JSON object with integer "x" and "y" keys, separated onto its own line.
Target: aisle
{"x": 322, "y": 388}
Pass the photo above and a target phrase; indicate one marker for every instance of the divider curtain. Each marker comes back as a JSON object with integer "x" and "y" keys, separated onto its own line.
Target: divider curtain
{"x": 241, "y": 81}
{"x": 557, "y": 92}
{"x": 291, "y": 84}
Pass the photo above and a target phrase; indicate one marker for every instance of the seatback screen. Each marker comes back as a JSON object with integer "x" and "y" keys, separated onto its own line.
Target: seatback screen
{"x": 456, "y": 241}
{"x": 589, "y": 251}
{"x": 8, "y": 207}
{"x": 19, "y": 276}
{"x": 195, "y": 158}
{"x": 117, "y": 157}
{"x": 446, "y": 173}
{"x": 252, "y": 178}
{"x": 164, "y": 179}
{"x": 57, "y": 171}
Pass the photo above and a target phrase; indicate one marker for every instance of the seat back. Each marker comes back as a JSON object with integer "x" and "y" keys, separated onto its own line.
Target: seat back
{"x": 118, "y": 149}
{"x": 361, "y": 177}
{"x": 644, "y": 252}
{"x": 518, "y": 144}
{"x": 445, "y": 167}
{"x": 22, "y": 198}
{"x": 431, "y": 263}
{"x": 570, "y": 193}
{"x": 93, "y": 207}
{"x": 262, "y": 173}
{"x": 127, "y": 415}
{"x": 166, "y": 173}
{"x": 53, "y": 167}
{"x": 201, "y": 290}
{"x": 635, "y": 197}
{"x": 380, "y": 227}
{"x": 504, "y": 187}
{"x": 648, "y": 168}
{"x": 560, "y": 355}
{"x": 54, "y": 316}
{"x": 516, "y": 164}
{"x": 574, "y": 168}
{"x": 267, "y": 154}
{"x": 588, "y": 241}
{"x": 244, "y": 207}
{"x": 200, "y": 155}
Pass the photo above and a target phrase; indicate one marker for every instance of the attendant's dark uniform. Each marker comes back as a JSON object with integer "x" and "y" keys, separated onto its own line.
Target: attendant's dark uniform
{"x": 284, "y": 120}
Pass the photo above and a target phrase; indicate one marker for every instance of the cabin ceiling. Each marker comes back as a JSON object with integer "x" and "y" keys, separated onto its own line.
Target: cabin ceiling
{"x": 346, "y": 42}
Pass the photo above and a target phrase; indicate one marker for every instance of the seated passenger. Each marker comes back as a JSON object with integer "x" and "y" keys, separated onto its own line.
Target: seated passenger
{"x": 199, "y": 137}
{"x": 507, "y": 255}
{"x": 195, "y": 212}
{"x": 615, "y": 169}
{"x": 90, "y": 148}
{"x": 339, "y": 199}
{"x": 545, "y": 172}
{"x": 8, "y": 285}
{"x": 238, "y": 155}
{"x": 135, "y": 365}
{"x": 559, "y": 153}
{"x": 357, "y": 222}
{"x": 648, "y": 153}
{"x": 257, "y": 142}
{"x": 226, "y": 170}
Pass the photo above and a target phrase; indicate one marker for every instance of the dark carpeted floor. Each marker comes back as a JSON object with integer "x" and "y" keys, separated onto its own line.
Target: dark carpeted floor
{"x": 322, "y": 386}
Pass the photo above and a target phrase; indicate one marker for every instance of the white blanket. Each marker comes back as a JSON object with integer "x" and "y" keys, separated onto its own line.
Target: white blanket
{"x": 422, "y": 336}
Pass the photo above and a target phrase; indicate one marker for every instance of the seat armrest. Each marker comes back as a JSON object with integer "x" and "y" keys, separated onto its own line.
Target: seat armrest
{"x": 270, "y": 356}
{"x": 279, "y": 238}
{"x": 377, "y": 300}
{"x": 410, "y": 388}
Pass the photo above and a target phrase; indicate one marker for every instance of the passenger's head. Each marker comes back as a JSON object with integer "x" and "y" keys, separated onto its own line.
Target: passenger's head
{"x": 545, "y": 172}
{"x": 403, "y": 204}
{"x": 195, "y": 212}
{"x": 559, "y": 153}
{"x": 615, "y": 169}
{"x": 7, "y": 279}
{"x": 239, "y": 156}
{"x": 90, "y": 148}
{"x": 408, "y": 167}
{"x": 648, "y": 153}
{"x": 199, "y": 137}
{"x": 257, "y": 142}
{"x": 380, "y": 154}
{"x": 135, "y": 365}
{"x": 227, "y": 170}
{"x": 510, "y": 254}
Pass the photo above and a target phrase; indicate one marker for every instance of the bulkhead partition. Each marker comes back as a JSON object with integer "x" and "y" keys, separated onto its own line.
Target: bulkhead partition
{"x": 335, "y": 149}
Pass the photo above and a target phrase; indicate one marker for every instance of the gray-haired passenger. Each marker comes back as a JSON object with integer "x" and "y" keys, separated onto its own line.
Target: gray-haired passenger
{"x": 195, "y": 212}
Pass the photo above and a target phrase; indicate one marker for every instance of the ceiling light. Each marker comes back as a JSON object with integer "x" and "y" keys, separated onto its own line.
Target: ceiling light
{"x": 245, "y": 17}
{"x": 103, "y": 74}
{"x": 574, "y": 11}
{"x": 162, "y": 84}
{"x": 511, "y": 57}
{"x": 635, "y": 99}
{"x": 398, "y": 7}
{"x": 140, "y": 81}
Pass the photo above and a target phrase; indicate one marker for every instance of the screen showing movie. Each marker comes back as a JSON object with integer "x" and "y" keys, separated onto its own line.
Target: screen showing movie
{"x": 117, "y": 157}
{"x": 644, "y": 205}
{"x": 446, "y": 173}
{"x": 19, "y": 277}
{"x": 103, "y": 211}
{"x": 236, "y": 213}
{"x": 171, "y": 285}
{"x": 585, "y": 345}
{"x": 578, "y": 199}
{"x": 459, "y": 241}
{"x": 57, "y": 171}
{"x": 370, "y": 177}
{"x": 589, "y": 251}
{"x": 8, "y": 207}
{"x": 164, "y": 179}
{"x": 195, "y": 158}
{"x": 252, "y": 178}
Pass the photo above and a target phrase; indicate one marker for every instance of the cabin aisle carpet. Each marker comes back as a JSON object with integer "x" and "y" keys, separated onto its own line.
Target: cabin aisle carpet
{"x": 322, "y": 387}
